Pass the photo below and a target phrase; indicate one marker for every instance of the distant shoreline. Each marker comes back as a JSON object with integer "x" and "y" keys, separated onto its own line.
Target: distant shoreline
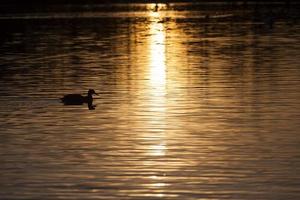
{"x": 86, "y": 2}
{"x": 14, "y": 7}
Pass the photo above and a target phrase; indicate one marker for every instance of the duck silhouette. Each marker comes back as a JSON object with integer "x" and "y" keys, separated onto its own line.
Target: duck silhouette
{"x": 78, "y": 99}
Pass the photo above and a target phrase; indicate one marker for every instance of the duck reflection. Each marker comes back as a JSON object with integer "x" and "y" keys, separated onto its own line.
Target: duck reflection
{"x": 78, "y": 99}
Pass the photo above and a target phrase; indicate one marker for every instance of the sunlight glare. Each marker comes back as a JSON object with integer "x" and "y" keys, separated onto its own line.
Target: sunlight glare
{"x": 157, "y": 62}
{"x": 158, "y": 150}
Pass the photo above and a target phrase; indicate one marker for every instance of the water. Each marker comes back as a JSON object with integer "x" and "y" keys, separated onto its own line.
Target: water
{"x": 188, "y": 109}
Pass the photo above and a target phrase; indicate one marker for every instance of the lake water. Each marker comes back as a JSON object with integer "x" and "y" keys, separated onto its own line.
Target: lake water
{"x": 191, "y": 106}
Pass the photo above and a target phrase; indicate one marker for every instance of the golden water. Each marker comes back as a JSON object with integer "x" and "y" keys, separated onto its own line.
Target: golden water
{"x": 186, "y": 110}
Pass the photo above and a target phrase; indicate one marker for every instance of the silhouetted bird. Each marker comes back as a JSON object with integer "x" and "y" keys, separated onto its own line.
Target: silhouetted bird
{"x": 78, "y": 99}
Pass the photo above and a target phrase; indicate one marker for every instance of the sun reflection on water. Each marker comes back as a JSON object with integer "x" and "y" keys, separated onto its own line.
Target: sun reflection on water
{"x": 158, "y": 149}
{"x": 157, "y": 76}
{"x": 157, "y": 99}
{"x": 157, "y": 57}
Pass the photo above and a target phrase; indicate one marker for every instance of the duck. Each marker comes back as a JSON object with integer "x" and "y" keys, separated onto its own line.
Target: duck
{"x": 78, "y": 99}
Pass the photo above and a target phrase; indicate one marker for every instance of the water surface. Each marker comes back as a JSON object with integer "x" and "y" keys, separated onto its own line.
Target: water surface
{"x": 189, "y": 107}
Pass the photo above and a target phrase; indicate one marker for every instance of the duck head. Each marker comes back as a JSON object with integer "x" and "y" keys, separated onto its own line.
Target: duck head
{"x": 91, "y": 92}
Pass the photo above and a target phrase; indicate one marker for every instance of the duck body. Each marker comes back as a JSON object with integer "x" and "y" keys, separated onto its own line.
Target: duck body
{"x": 74, "y": 99}
{"x": 78, "y": 99}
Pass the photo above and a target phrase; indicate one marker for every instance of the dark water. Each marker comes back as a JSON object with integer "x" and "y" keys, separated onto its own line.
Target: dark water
{"x": 187, "y": 109}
